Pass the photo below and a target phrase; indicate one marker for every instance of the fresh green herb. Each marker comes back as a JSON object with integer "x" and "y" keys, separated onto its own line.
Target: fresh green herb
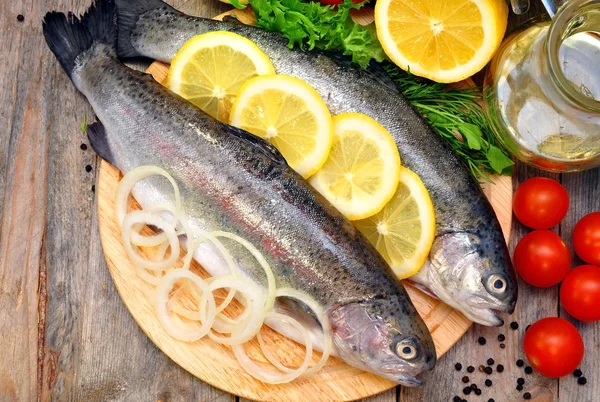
{"x": 237, "y": 4}
{"x": 310, "y": 24}
{"x": 455, "y": 114}
{"x": 84, "y": 124}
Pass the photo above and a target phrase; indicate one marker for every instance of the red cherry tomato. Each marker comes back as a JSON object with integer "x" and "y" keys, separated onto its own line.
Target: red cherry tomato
{"x": 540, "y": 203}
{"x": 542, "y": 259}
{"x": 580, "y": 293}
{"x": 586, "y": 238}
{"x": 553, "y": 347}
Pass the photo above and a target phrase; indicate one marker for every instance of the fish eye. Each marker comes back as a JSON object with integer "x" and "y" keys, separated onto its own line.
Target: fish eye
{"x": 497, "y": 283}
{"x": 406, "y": 350}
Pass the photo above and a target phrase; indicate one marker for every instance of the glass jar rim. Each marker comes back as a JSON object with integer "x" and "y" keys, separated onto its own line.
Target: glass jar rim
{"x": 558, "y": 32}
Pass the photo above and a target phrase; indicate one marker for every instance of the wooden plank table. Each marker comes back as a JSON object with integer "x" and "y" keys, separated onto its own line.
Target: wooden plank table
{"x": 65, "y": 335}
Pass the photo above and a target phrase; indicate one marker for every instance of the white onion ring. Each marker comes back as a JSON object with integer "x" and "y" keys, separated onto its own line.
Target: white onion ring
{"x": 262, "y": 375}
{"x": 162, "y": 311}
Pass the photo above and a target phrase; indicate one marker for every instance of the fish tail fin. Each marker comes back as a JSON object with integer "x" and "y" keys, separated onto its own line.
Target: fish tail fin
{"x": 68, "y": 36}
{"x": 128, "y": 15}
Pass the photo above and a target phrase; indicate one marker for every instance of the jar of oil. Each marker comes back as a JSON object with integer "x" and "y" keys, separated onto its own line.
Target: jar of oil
{"x": 542, "y": 90}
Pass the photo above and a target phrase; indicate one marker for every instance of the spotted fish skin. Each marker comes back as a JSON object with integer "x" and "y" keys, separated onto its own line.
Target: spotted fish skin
{"x": 469, "y": 265}
{"x": 232, "y": 181}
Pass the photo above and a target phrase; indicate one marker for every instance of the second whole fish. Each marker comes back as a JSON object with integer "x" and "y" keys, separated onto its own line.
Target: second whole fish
{"x": 232, "y": 181}
{"x": 469, "y": 266}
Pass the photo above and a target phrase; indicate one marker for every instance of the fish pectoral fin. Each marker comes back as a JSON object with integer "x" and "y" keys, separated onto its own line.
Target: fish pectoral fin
{"x": 299, "y": 311}
{"x": 99, "y": 141}
{"x": 258, "y": 143}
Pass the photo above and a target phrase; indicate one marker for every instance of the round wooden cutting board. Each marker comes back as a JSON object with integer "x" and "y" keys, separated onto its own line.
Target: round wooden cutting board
{"x": 215, "y": 363}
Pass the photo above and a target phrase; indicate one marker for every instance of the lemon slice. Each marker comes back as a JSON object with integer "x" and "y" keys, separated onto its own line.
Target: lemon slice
{"x": 404, "y": 230}
{"x": 210, "y": 69}
{"x": 361, "y": 174}
{"x": 291, "y": 115}
{"x": 443, "y": 40}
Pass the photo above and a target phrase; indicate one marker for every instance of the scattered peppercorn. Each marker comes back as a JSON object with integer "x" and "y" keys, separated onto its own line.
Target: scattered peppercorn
{"x": 500, "y": 368}
{"x": 502, "y": 346}
{"x": 491, "y": 400}
{"x": 501, "y": 338}
{"x": 582, "y": 381}
{"x": 463, "y": 400}
{"x": 520, "y": 381}
{"x": 93, "y": 188}
{"x": 519, "y": 388}
{"x": 473, "y": 386}
{"x": 528, "y": 370}
{"x": 514, "y": 325}
{"x": 465, "y": 379}
{"x": 20, "y": 18}
{"x": 488, "y": 383}
{"x": 490, "y": 361}
{"x": 470, "y": 369}
{"x": 83, "y": 147}
{"x": 526, "y": 395}
{"x": 477, "y": 391}
{"x": 458, "y": 366}
{"x": 467, "y": 390}
{"x": 456, "y": 399}
{"x": 488, "y": 370}
{"x": 88, "y": 168}
{"x": 520, "y": 363}
{"x": 577, "y": 373}
{"x": 481, "y": 340}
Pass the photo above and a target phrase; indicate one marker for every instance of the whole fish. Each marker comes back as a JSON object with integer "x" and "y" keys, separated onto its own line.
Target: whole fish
{"x": 469, "y": 266}
{"x": 233, "y": 181}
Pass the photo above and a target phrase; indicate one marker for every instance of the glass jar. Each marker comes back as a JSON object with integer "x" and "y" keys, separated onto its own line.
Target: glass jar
{"x": 542, "y": 90}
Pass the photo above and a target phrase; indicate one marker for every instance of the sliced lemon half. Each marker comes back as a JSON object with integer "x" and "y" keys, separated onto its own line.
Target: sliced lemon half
{"x": 210, "y": 69}
{"x": 404, "y": 230}
{"x": 291, "y": 115}
{"x": 443, "y": 40}
{"x": 362, "y": 171}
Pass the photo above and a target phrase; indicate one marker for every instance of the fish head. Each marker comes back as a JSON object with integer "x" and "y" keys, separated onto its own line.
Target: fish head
{"x": 473, "y": 273}
{"x": 381, "y": 337}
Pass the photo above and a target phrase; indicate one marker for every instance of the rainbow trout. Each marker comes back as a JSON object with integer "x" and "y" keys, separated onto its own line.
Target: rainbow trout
{"x": 233, "y": 181}
{"x": 469, "y": 266}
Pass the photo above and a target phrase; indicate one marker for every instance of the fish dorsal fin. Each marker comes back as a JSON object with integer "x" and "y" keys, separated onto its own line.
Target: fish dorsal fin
{"x": 257, "y": 143}
{"x": 99, "y": 142}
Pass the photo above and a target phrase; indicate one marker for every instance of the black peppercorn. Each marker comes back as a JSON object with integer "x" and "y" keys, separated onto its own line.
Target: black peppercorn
{"x": 470, "y": 369}
{"x": 456, "y": 399}
{"x": 520, "y": 381}
{"x": 519, "y": 388}
{"x": 458, "y": 366}
{"x": 577, "y": 373}
{"x": 83, "y": 147}
{"x": 88, "y": 168}
{"x": 491, "y": 400}
{"x": 582, "y": 381}
{"x": 477, "y": 391}
{"x": 463, "y": 400}
{"x": 520, "y": 363}
{"x": 500, "y": 368}
{"x": 481, "y": 340}
{"x": 528, "y": 370}
{"x": 467, "y": 390}
{"x": 514, "y": 325}
{"x": 20, "y": 18}
{"x": 502, "y": 346}
{"x": 473, "y": 386}
{"x": 490, "y": 362}
{"x": 488, "y": 383}
{"x": 488, "y": 370}
{"x": 526, "y": 395}
{"x": 93, "y": 188}
{"x": 501, "y": 338}
{"x": 465, "y": 379}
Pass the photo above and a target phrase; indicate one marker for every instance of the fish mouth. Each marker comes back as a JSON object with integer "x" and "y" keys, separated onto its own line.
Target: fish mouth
{"x": 486, "y": 316}
{"x": 392, "y": 372}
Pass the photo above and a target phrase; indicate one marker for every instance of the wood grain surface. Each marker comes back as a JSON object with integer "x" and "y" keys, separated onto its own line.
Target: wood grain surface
{"x": 65, "y": 334}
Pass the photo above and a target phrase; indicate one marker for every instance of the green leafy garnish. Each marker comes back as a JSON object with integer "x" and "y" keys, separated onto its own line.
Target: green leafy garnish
{"x": 84, "y": 124}
{"x": 455, "y": 114}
